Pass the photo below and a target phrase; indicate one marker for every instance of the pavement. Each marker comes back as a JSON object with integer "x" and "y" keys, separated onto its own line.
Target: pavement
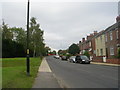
{"x": 45, "y": 78}
{"x": 109, "y": 64}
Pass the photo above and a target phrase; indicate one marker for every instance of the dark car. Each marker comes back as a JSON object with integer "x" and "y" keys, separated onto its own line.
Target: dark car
{"x": 82, "y": 59}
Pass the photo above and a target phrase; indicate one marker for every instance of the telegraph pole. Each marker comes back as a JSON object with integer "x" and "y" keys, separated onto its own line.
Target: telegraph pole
{"x": 28, "y": 60}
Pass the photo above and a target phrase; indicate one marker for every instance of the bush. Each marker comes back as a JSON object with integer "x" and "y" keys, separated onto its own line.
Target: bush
{"x": 86, "y": 53}
{"x": 12, "y": 49}
{"x": 118, "y": 53}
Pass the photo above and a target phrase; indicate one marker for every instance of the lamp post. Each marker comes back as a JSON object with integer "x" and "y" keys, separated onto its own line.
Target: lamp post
{"x": 28, "y": 60}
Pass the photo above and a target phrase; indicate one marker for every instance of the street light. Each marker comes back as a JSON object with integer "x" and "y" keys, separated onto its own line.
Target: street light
{"x": 28, "y": 60}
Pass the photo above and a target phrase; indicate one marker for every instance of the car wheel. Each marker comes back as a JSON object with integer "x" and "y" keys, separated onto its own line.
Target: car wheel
{"x": 88, "y": 62}
{"x": 80, "y": 62}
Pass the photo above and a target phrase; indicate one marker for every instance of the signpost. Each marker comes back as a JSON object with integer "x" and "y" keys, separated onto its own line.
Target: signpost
{"x": 28, "y": 60}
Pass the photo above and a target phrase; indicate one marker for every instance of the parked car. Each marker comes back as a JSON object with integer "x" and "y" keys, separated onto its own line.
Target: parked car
{"x": 82, "y": 59}
{"x": 56, "y": 56}
{"x": 63, "y": 57}
{"x": 72, "y": 59}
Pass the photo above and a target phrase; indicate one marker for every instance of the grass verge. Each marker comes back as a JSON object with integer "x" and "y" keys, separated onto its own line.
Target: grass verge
{"x": 14, "y": 72}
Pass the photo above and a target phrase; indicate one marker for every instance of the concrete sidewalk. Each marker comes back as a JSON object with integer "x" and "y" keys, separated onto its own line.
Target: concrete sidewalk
{"x": 45, "y": 78}
{"x": 105, "y": 64}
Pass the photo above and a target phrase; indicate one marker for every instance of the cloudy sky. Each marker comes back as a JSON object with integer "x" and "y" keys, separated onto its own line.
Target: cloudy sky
{"x": 63, "y": 23}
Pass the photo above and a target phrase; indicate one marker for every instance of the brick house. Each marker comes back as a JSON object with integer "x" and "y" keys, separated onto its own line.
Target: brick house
{"x": 88, "y": 44}
{"x": 112, "y": 41}
{"x": 107, "y": 44}
{"x": 99, "y": 48}
{"x": 103, "y": 46}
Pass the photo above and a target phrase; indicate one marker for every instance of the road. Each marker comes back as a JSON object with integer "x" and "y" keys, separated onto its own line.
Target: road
{"x": 72, "y": 75}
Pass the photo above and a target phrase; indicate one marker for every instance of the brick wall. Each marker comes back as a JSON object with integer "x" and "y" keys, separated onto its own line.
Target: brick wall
{"x": 97, "y": 59}
{"x": 112, "y": 61}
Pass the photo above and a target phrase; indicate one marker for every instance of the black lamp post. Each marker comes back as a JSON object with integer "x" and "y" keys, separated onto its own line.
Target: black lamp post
{"x": 28, "y": 60}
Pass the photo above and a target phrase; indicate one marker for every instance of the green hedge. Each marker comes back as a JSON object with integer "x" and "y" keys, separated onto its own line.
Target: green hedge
{"x": 12, "y": 49}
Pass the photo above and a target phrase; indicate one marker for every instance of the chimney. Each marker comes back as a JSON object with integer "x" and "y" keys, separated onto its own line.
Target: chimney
{"x": 95, "y": 32}
{"x": 91, "y": 35}
{"x": 87, "y": 37}
{"x": 118, "y": 18}
{"x": 79, "y": 42}
{"x": 83, "y": 39}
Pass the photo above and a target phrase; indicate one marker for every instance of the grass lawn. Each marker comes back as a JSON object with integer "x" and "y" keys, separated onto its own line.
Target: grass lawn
{"x": 14, "y": 72}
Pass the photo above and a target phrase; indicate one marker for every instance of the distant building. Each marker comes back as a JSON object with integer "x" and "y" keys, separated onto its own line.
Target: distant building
{"x": 88, "y": 44}
{"x": 103, "y": 46}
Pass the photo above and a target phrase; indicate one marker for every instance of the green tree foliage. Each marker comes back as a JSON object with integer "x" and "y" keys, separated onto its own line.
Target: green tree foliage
{"x": 86, "y": 53}
{"x": 6, "y": 32}
{"x": 54, "y": 52}
{"x": 63, "y": 52}
{"x": 14, "y": 40}
{"x": 119, "y": 53}
{"x": 19, "y": 35}
{"x": 0, "y": 41}
{"x": 12, "y": 49}
{"x": 36, "y": 38}
{"x": 73, "y": 49}
{"x": 59, "y": 52}
{"x": 47, "y": 50}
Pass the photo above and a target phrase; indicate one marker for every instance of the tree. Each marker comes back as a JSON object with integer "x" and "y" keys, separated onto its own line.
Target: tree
{"x": 19, "y": 35}
{"x": 73, "y": 49}
{"x": 54, "y": 52}
{"x": 47, "y": 50}
{"x": 14, "y": 40}
{"x": 60, "y": 52}
{"x": 86, "y": 53}
{"x": 6, "y": 32}
{"x": 36, "y": 38}
{"x": 12, "y": 49}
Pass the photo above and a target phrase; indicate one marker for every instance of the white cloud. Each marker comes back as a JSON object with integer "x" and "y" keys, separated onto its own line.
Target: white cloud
{"x": 63, "y": 23}
{"x": 52, "y": 36}
{"x": 60, "y": 0}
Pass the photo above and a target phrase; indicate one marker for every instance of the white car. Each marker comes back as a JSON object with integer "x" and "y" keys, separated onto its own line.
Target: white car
{"x": 57, "y": 57}
{"x": 72, "y": 59}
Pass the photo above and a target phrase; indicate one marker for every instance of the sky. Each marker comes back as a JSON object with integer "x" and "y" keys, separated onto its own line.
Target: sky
{"x": 63, "y": 22}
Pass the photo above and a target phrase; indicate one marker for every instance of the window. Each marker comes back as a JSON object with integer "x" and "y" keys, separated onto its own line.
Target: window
{"x": 101, "y": 38}
{"x": 111, "y": 38}
{"x": 97, "y": 52}
{"x": 111, "y": 51}
{"x": 94, "y": 52}
{"x": 116, "y": 28}
{"x": 89, "y": 44}
{"x": 106, "y": 38}
{"x": 117, "y": 34}
{"x": 101, "y": 52}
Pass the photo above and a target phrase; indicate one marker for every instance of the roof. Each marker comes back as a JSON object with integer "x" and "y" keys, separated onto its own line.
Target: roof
{"x": 110, "y": 28}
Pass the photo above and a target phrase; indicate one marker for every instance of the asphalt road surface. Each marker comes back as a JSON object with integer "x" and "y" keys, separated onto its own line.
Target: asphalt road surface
{"x": 72, "y": 75}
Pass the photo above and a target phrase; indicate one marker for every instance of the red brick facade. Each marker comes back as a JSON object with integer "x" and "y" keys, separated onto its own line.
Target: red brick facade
{"x": 112, "y": 44}
{"x": 112, "y": 61}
